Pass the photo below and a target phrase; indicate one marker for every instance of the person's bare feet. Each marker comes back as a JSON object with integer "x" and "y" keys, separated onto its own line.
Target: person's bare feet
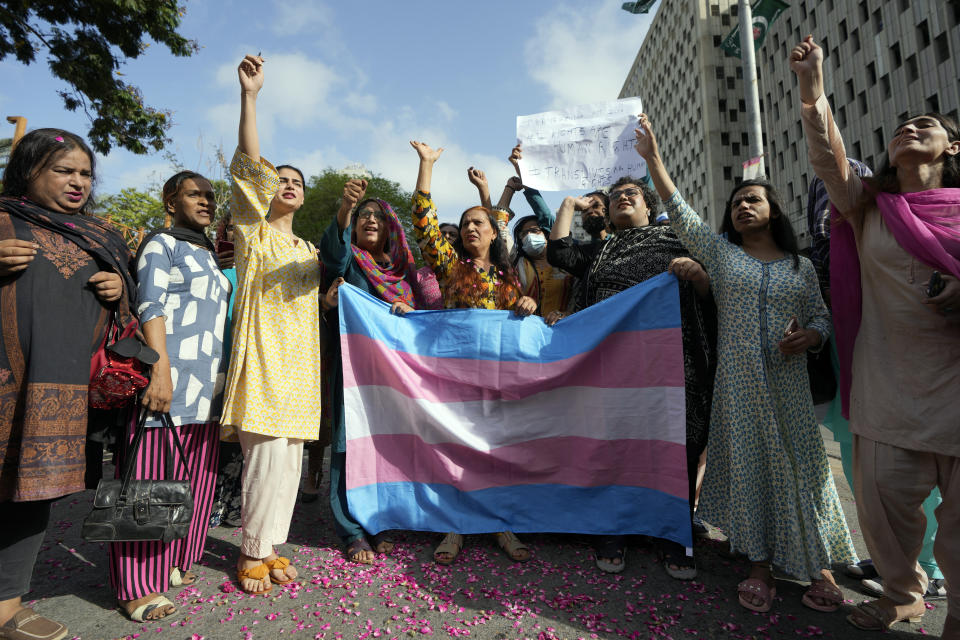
{"x": 760, "y": 572}
{"x": 161, "y": 611}
{"x": 252, "y": 585}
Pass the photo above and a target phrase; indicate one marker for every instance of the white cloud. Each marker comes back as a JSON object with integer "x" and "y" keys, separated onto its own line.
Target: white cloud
{"x": 583, "y": 55}
{"x": 446, "y": 111}
{"x": 292, "y": 17}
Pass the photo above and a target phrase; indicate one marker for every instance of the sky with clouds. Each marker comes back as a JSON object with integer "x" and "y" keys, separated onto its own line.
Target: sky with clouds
{"x": 354, "y": 82}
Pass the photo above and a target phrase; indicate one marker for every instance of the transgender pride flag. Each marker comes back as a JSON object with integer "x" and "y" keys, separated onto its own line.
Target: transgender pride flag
{"x": 477, "y": 421}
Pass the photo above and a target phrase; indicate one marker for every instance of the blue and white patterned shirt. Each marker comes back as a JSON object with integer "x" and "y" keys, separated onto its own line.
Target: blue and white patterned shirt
{"x": 182, "y": 282}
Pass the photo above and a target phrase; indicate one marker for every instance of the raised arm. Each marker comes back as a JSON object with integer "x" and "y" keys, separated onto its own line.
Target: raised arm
{"x": 250, "y": 72}
{"x": 434, "y": 247}
{"x": 694, "y": 233}
{"x": 545, "y": 217}
{"x": 428, "y": 157}
{"x": 353, "y": 192}
{"x": 824, "y": 144}
{"x": 479, "y": 179}
{"x": 561, "y": 251}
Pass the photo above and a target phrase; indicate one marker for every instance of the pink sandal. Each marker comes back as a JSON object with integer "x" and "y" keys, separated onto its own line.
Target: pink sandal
{"x": 825, "y": 591}
{"x": 760, "y": 588}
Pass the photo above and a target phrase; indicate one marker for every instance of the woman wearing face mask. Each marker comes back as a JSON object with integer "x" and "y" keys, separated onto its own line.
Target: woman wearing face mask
{"x": 548, "y": 286}
{"x": 273, "y": 390}
{"x": 182, "y": 296}
{"x": 366, "y": 247}
{"x": 62, "y": 272}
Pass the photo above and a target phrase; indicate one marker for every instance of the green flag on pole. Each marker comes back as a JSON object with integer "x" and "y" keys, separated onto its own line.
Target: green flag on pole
{"x": 638, "y": 7}
{"x": 765, "y": 12}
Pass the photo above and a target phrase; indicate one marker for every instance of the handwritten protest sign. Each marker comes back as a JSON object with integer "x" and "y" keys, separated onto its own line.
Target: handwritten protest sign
{"x": 584, "y": 147}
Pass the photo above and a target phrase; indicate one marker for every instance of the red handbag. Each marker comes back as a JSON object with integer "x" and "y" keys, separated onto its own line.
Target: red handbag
{"x": 117, "y": 367}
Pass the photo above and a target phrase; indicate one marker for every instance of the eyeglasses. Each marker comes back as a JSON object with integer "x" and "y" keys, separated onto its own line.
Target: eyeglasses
{"x": 631, "y": 192}
{"x": 363, "y": 215}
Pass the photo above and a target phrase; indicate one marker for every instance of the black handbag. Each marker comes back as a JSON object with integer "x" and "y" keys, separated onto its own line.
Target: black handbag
{"x": 137, "y": 510}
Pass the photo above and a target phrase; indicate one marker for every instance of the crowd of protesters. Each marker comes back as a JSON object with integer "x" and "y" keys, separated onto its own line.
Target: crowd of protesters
{"x": 249, "y": 369}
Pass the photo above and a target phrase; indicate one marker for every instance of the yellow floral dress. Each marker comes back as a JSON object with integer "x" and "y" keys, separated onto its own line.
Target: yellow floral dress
{"x": 442, "y": 258}
{"x": 273, "y": 385}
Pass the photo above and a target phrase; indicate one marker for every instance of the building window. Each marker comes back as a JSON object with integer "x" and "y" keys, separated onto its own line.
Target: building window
{"x": 722, "y": 105}
{"x": 727, "y": 173}
{"x": 793, "y": 151}
{"x": 864, "y": 11}
{"x": 742, "y": 106}
{"x": 724, "y": 138}
{"x": 725, "y": 20}
{"x": 895, "y": 56}
{"x": 904, "y": 5}
{"x": 877, "y": 21}
{"x": 836, "y": 58}
{"x": 843, "y": 29}
{"x": 872, "y": 74}
{"x": 923, "y": 35}
{"x": 851, "y": 92}
{"x": 735, "y": 147}
{"x": 733, "y": 115}
{"x": 829, "y": 5}
{"x": 813, "y": 18}
{"x": 933, "y": 103}
{"x": 731, "y": 83}
{"x": 857, "y": 151}
{"x": 885, "y": 85}
{"x": 739, "y": 72}
{"x": 744, "y": 139}
{"x": 714, "y": 9}
{"x": 717, "y": 41}
{"x": 719, "y": 73}
{"x": 913, "y": 72}
{"x": 855, "y": 39}
{"x": 942, "y": 48}
{"x": 842, "y": 117}
{"x": 862, "y": 101}
{"x": 878, "y": 139}
{"x": 734, "y": 10}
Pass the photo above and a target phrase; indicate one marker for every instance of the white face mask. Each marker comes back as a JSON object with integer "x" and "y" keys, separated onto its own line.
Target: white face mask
{"x": 534, "y": 244}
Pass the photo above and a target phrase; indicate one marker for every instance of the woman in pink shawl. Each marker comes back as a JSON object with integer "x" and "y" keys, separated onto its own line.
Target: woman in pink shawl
{"x": 898, "y": 337}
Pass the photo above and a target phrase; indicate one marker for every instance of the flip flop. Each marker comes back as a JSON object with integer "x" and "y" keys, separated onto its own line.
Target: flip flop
{"x": 451, "y": 545}
{"x": 382, "y": 538}
{"x": 825, "y": 591}
{"x": 671, "y": 553}
{"x": 760, "y": 588}
{"x": 354, "y": 548}
{"x": 140, "y": 613}
{"x": 259, "y": 573}
{"x": 611, "y": 548}
{"x": 279, "y": 564}
{"x": 880, "y": 617}
{"x": 511, "y": 544}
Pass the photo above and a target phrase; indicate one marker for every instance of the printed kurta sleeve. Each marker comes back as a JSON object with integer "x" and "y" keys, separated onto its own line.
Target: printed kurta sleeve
{"x": 819, "y": 315}
{"x": 828, "y": 156}
{"x": 254, "y": 186}
{"x": 545, "y": 217}
{"x": 502, "y": 217}
{"x": 698, "y": 238}
{"x": 335, "y": 250}
{"x": 153, "y": 278}
{"x": 436, "y": 250}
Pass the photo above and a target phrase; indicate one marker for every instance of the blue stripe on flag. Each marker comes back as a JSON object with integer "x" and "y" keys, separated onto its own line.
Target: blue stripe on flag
{"x": 610, "y": 510}
{"x": 470, "y": 334}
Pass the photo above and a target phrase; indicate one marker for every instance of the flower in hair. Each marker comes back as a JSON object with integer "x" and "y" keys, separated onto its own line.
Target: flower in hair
{"x": 59, "y": 138}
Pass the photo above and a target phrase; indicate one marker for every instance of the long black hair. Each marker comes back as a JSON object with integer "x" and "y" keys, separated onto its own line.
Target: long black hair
{"x": 780, "y": 227}
{"x": 499, "y": 255}
{"x": 36, "y": 151}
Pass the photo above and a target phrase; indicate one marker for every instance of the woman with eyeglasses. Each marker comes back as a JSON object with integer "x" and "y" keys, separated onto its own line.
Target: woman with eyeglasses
{"x": 365, "y": 246}
{"x": 638, "y": 251}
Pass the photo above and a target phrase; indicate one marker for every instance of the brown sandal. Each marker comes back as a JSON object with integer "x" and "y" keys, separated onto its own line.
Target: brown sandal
{"x": 878, "y": 617}
{"x": 259, "y": 573}
{"x": 451, "y": 545}
{"x": 510, "y": 543}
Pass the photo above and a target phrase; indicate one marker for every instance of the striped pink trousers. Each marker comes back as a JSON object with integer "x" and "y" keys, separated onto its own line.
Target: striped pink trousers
{"x": 140, "y": 568}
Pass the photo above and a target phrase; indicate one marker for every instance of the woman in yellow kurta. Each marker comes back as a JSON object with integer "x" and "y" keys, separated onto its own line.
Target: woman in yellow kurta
{"x": 272, "y": 394}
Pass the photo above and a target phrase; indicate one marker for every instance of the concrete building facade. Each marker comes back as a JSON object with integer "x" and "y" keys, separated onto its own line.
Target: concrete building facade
{"x": 885, "y": 60}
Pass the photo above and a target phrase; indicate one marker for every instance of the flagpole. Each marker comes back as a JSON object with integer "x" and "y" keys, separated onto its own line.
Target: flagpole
{"x": 752, "y": 97}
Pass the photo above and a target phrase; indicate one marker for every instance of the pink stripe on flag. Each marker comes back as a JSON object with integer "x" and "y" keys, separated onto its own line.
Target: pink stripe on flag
{"x": 575, "y": 461}
{"x": 613, "y": 364}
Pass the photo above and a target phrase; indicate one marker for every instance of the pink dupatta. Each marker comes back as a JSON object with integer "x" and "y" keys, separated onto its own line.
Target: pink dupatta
{"x": 926, "y": 224}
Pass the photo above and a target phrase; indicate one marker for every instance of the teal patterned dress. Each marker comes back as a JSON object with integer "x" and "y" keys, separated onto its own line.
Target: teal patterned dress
{"x": 768, "y": 483}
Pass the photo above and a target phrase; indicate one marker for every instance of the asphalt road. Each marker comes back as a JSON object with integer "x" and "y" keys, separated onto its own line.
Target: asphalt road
{"x": 558, "y": 594}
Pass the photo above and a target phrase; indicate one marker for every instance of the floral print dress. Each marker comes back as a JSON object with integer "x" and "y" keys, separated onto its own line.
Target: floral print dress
{"x": 768, "y": 483}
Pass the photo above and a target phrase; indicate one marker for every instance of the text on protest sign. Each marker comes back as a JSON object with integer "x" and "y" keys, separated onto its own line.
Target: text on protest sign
{"x": 583, "y": 147}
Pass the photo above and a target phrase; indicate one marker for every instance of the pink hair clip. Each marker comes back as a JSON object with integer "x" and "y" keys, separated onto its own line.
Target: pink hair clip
{"x": 59, "y": 138}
